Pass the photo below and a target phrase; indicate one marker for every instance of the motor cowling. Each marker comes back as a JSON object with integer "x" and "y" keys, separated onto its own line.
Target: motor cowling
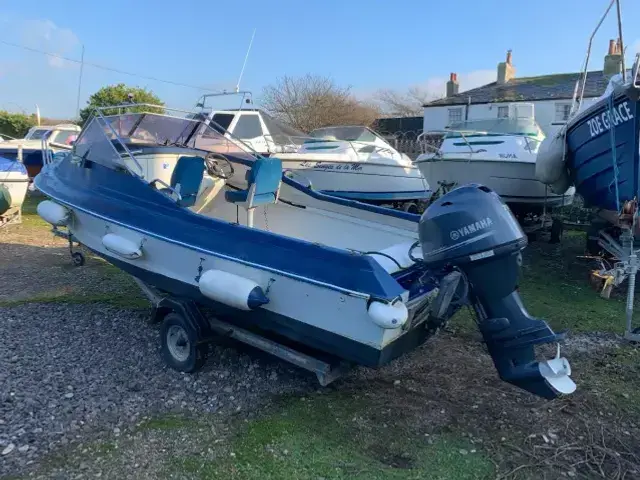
{"x": 472, "y": 230}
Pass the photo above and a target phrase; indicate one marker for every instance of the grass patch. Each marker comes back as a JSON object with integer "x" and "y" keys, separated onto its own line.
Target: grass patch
{"x": 167, "y": 422}
{"x": 326, "y": 437}
{"x": 124, "y": 300}
{"x": 554, "y": 285}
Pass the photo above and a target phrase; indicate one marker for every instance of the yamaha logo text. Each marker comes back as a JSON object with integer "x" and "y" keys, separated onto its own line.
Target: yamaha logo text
{"x": 471, "y": 228}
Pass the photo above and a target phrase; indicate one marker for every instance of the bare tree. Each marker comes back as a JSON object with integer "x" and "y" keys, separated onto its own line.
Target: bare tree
{"x": 403, "y": 104}
{"x": 315, "y": 101}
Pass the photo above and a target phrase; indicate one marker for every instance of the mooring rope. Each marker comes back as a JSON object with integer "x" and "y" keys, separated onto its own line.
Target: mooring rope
{"x": 614, "y": 154}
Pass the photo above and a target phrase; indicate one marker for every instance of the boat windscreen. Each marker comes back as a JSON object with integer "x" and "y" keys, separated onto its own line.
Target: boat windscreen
{"x": 104, "y": 139}
{"x": 348, "y": 134}
{"x": 495, "y": 126}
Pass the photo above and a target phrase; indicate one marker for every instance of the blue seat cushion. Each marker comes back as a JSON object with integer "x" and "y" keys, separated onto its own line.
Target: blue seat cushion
{"x": 188, "y": 174}
{"x": 236, "y": 196}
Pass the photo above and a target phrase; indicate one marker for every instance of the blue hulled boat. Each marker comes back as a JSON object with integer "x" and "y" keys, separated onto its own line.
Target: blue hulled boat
{"x": 602, "y": 149}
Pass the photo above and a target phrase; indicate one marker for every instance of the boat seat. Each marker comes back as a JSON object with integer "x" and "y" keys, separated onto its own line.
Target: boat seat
{"x": 186, "y": 179}
{"x": 263, "y": 184}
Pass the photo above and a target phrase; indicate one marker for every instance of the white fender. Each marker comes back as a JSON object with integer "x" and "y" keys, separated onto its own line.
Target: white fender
{"x": 232, "y": 290}
{"x": 53, "y": 213}
{"x": 550, "y": 163}
{"x": 121, "y": 246}
{"x": 387, "y": 315}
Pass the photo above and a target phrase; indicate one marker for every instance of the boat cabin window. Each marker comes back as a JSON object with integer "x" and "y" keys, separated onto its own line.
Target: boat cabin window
{"x": 37, "y": 133}
{"x": 347, "y": 134}
{"x": 248, "y": 126}
{"x": 222, "y": 120}
{"x": 64, "y": 137}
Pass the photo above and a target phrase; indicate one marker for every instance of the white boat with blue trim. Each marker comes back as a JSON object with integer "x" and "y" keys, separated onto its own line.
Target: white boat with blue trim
{"x": 279, "y": 263}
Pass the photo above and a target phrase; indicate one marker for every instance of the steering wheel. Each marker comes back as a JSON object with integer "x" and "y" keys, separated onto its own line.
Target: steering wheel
{"x": 224, "y": 171}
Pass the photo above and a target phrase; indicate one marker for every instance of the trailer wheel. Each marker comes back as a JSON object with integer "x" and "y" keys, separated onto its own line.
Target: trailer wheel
{"x": 556, "y": 231}
{"x": 181, "y": 348}
{"x": 77, "y": 258}
{"x": 411, "y": 207}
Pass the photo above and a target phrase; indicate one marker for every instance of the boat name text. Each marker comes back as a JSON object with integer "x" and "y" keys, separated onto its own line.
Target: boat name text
{"x": 507, "y": 155}
{"x": 471, "y": 228}
{"x": 617, "y": 115}
{"x": 332, "y": 166}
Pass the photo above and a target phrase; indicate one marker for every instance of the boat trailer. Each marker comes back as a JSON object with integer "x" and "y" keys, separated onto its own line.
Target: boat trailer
{"x": 187, "y": 330}
{"x": 624, "y": 265}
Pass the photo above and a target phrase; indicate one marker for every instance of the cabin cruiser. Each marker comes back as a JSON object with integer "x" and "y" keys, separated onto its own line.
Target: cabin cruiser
{"x": 499, "y": 153}
{"x": 311, "y": 273}
{"x": 13, "y": 189}
{"x": 346, "y": 161}
{"x": 28, "y": 150}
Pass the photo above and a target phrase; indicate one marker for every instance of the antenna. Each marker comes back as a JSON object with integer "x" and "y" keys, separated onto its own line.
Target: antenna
{"x": 246, "y": 57}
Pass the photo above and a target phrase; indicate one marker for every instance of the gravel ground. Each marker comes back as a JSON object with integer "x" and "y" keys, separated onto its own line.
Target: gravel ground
{"x": 83, "y": 372}
{"x": 71, "y": 373}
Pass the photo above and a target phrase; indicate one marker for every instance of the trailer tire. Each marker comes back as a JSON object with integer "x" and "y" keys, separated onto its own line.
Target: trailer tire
{"x": 181, "y": 348}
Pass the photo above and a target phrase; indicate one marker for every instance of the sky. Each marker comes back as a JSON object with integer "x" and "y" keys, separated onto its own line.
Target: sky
{"x": 364, "y": 44}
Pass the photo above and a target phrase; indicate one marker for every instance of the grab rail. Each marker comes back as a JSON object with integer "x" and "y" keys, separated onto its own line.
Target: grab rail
{"x": 581, "y": 83}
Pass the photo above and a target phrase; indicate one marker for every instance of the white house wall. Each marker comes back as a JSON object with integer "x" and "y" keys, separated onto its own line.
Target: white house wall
{"x": 437, "y": 118}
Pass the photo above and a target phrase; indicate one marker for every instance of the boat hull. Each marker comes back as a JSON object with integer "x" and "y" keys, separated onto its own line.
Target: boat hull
{"x": 515, "y": 182}
{"x": 591, "y": 138}
{"x": 318, "y": 312}
{"x": 14, "y": 179}
{"x": 365, "y": 181}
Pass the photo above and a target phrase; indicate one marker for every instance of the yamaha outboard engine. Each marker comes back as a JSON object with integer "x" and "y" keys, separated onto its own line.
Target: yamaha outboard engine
{"x": 472, "y": 230}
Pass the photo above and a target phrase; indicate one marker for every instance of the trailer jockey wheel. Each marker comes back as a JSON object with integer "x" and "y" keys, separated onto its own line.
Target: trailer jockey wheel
{"x": 181, "y": 348}
{"x": 77, "y": 258}
{"x": 556, "y": 231}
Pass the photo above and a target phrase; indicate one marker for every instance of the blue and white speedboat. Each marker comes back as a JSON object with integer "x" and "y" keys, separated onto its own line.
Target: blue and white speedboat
{"x": 28, "y": 150}
{"x": 349, "y": 281}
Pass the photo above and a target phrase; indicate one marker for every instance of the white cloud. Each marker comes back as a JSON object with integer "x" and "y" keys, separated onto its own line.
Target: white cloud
{"x": 46, "y": 35}
{"x": 437, "y": 86}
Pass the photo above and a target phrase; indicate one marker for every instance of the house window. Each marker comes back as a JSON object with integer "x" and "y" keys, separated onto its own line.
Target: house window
{"x": 503, "y": 112}
{"x": 562, "y": 112}
{"x": 455, "y": 115}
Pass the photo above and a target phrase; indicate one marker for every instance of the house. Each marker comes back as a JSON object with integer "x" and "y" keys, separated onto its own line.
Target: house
{"x": 551, "y": 95}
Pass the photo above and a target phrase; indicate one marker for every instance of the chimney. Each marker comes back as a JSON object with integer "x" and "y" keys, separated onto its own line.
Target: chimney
{"x": 452, "y": 85}
{"x": 506, "y": 71}
{"x": 613, "y": 59}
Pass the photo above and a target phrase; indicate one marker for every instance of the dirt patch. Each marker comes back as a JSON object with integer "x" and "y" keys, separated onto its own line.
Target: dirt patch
{"x": 451, "y": 386}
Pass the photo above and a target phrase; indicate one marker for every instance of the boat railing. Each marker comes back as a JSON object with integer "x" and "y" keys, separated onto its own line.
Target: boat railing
{"x": 47, "y": 154}
{"x": 578, "y": 92}
{"x": 440, "y": 135}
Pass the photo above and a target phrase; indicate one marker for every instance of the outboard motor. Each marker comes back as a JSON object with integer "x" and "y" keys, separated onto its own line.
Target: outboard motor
{"x": 472, "y": 230}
